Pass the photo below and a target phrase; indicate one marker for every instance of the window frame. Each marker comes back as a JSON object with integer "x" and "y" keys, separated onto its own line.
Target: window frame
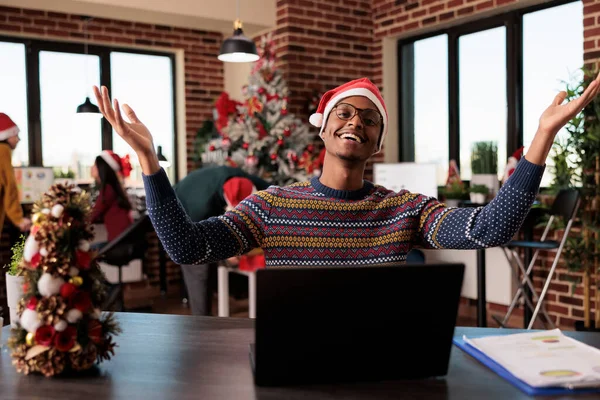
{"x": 513, "y": 22}
{"x": 33, "y": 47}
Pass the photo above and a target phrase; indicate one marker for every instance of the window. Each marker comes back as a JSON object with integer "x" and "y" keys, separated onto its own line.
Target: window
{"x": 69, "y": 140}
{"x": 13, "y": 102}
{"x": 497, "y": 76}
{"x": 47, "y": 81}
{"x": 146, "y": 82}
{"x": 431, "y": 103}
{"x": 544, "y": 72}
{"x": 482, "y": 94}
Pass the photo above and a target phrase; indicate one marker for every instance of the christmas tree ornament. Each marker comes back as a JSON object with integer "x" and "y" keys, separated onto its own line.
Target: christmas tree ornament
{"x": 62, "y": 292}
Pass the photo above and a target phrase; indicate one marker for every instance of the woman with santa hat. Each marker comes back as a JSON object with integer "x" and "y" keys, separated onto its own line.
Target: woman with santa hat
{"x": 9, "y": 196}
{"x": 112, "y": 207}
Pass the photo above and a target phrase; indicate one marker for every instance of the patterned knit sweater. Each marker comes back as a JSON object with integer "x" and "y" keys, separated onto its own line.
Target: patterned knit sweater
{"x": 309, "y": 224}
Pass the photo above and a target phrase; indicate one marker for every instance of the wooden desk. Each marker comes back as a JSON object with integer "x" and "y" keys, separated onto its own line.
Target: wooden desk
{"x": 184, "y": 357}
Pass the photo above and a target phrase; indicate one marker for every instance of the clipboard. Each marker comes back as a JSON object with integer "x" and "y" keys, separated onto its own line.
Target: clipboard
{"x": 506, "y": 375}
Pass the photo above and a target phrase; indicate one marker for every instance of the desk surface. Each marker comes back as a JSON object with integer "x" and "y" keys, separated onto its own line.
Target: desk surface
{"x": 182, "y": 357}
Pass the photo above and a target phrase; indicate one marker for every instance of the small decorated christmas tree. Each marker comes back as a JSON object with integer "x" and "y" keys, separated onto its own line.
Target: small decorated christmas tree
{"x": 260, "y": 135}
{"x": 60, "y": 326}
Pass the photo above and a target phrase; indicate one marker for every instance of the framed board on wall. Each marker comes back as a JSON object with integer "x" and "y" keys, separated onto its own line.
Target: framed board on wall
{"x": 32, "y": 182}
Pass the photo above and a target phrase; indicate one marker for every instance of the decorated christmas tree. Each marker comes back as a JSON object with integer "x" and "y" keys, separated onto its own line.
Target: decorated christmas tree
{"x": 60, "y": 326}
{"x": 260, "y": 135}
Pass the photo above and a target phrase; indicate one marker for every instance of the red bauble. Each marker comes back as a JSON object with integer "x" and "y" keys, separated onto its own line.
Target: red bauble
{"x": 284, "y": 111}
{"x": 225, "y": 143}
{"x": 261, "y": 90}
{"x": 245, "y": 146}
{"x": 44, "y": 335}
{"x": 280, "y": 142}
{"x": 211, "y": 148}
{"x": 35, "y": 260}
{"x": 32, "y": 303}
{"x": 67, "y": 290}
{"x": 310, "y": 148}
{"x": 287, "y": 132}
{"x": 84, "y": 259}
{"x": 81, "y": 301}
{"x": 65, "y": 340}
{"x": 273, "y": 156}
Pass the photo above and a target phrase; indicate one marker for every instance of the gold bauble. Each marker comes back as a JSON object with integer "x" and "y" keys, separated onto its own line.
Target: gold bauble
{"x": 30, "y": 339}
{"x": 76, "y": 280}
{"x": 38, "y": 218}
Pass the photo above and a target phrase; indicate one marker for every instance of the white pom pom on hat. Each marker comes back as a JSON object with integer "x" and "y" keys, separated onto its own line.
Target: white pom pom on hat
{"x": 358, "y": 87}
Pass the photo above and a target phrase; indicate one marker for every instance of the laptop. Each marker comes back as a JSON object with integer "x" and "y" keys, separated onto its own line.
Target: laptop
{"x": 349, "y": 324}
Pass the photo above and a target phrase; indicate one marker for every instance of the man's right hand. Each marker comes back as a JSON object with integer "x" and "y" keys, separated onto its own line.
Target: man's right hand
{"x": 134, "y": 133}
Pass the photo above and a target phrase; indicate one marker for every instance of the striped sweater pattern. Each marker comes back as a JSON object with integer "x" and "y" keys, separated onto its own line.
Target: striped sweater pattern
{"x": 309, "y": 224}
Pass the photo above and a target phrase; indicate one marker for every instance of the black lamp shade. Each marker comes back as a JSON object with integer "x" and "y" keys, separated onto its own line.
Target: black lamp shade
{"x": 162, "y": 160}
{"x": 238, "y": 48}
{"x": 88, "y": 107}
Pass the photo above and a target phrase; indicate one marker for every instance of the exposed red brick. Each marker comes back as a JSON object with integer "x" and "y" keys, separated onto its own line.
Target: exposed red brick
{"x": 436, "y": 8}
{"x": 466, "y": 10}
{"x": 591, "y": 8}
{"x": 446, "y": 16}
{"x": 10, "y": 28}
{"x": 44, "y": 22}
{"x": 485, "y": 5}
{"x": 589, "y": 44}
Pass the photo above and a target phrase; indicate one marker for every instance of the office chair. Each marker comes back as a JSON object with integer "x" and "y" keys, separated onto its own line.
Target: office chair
{"x": 130, "y": 245}
{"x": 565, "y": 206}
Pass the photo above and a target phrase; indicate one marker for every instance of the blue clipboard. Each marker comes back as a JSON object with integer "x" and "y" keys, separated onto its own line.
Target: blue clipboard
{"x": 503, "y": 372}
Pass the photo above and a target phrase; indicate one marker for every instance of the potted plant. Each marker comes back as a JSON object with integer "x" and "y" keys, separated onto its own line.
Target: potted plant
{"x": 14, "y": 280}
{"x": 577, "y": 164}
{"x": 484, "y": 165}
{"x": 452, "y": 194}
{"x": 478, "y": 193}
{"x": 65, "y": 177}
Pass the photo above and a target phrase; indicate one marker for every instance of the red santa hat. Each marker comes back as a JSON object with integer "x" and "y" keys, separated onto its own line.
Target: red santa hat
{"x": 512, "y": 162}
{"x": 116, "y": 163}
{"x": 237, "y": 189}
{"x": 7, "y": 127}
{"x": 358, "y": 87}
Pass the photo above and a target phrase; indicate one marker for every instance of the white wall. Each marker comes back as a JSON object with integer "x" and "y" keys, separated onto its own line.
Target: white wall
{"x": 498, "y": 276}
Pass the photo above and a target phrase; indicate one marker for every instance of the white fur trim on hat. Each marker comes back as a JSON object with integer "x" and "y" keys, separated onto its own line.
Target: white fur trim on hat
{"x": 10, "y": 132}
{"x": 357, "y": 92}
{"x": 110, "y": 161}
{"x": 316, "y": 119}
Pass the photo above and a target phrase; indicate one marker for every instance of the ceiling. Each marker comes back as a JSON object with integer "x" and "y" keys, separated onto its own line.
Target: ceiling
{"x": 207, "y": 15}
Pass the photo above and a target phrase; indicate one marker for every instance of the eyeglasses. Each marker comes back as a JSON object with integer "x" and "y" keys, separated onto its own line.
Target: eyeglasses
{"x": 368, "y": 116}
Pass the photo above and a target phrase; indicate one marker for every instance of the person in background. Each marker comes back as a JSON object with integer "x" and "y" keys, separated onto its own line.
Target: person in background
{"x": 9, "y": 196}
{"x": 204, "y": 193}
{"x": 112, "y": 207}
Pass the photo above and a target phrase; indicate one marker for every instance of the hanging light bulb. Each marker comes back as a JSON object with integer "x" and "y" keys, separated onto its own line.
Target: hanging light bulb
{"x": 238, "y": 48}
{"x": 87, "y": 107}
